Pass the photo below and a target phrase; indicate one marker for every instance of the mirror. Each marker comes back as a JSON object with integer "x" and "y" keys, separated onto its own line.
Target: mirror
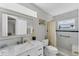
{"x": 17, "y": 26}
{"x": 11, "y": 26}
{"x": 21, "y": 26}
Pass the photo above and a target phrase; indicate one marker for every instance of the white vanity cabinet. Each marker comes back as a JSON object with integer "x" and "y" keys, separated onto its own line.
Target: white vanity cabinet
{"x": 36, "y": 51}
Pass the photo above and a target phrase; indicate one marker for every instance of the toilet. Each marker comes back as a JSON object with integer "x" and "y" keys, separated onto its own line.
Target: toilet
{"x": 49, "y": 50}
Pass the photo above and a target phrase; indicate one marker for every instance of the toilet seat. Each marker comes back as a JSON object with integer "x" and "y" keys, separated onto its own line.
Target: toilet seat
{"x": 51, "y": 48}
{"x": 51, "y": 51}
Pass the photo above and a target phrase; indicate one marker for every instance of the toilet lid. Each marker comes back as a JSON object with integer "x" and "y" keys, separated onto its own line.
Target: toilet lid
{"x": 52, "y": 48}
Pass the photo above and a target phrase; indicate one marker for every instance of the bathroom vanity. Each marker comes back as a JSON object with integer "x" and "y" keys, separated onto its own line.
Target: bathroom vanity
{"x": 31, "y": 48}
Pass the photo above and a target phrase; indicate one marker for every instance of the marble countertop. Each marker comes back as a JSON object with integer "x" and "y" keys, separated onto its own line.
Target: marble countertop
{"x": 11, "y": 37}
{"x": 18, "y": 49}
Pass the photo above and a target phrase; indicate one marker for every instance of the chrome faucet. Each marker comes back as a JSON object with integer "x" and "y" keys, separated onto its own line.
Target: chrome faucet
{"x": 22, "y": 40}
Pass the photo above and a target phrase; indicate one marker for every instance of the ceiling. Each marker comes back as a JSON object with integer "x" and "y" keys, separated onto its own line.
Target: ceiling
{"x": 57, "y": 8}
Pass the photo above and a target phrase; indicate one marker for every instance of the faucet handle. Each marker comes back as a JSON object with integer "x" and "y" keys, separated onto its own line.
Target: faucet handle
{"x": 25, "y": 41}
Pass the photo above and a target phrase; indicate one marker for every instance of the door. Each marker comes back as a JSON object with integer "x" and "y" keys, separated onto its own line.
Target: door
{"x": 52, "y": 33}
